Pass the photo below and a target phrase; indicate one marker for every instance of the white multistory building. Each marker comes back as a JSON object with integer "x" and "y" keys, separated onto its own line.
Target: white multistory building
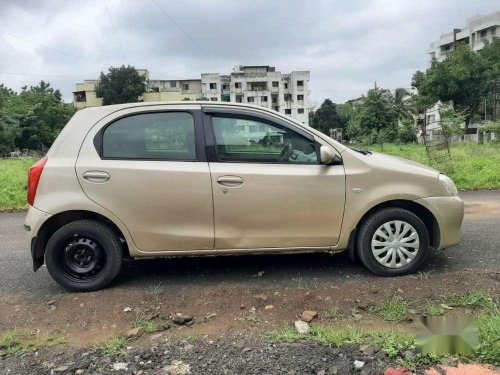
{"x": 478, "y": 31}
{"x": 262, "y": 86}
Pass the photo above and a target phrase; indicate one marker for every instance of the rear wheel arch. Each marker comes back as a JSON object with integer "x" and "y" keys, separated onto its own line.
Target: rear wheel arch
{"x": 423, "y": 213}
{"x": 60, "y": 219}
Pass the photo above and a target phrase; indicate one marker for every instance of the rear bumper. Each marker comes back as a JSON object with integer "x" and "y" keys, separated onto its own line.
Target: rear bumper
{"x": 449, "y": 214}
{"x": 32, "y": 224}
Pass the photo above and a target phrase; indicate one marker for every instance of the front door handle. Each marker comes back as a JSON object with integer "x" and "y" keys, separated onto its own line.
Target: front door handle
{"x": 230, "y": 181}
{"x": 96, "y": 176}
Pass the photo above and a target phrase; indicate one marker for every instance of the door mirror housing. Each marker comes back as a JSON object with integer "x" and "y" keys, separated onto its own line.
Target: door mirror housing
{"x": 328, "y": 155}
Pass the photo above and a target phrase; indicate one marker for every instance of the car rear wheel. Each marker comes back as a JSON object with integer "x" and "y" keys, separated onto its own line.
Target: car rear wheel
{"x": 84, "y": 255}
{"x": 393, "y": 242}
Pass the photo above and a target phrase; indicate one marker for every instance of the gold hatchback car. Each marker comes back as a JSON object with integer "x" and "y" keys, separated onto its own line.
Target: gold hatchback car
{"x": 149, "y": 180}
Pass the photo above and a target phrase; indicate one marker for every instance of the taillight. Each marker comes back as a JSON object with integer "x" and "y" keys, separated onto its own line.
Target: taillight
{"x": 33, "y": 177}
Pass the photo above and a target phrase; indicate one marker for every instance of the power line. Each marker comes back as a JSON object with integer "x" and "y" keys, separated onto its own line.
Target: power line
{"x": 114, "y": 30}
{"x": 40, "y": 75}
{"x": 80, "y": 57}
{"x": 186, "y": 34}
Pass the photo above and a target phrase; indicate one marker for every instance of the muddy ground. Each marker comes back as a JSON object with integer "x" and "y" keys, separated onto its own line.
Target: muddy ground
{"x": 233, "y": 300}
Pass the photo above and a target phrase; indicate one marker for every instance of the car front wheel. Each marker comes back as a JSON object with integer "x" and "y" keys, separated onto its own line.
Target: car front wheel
{"x": 83, "y": 256}
{"x": 393, "y": 242}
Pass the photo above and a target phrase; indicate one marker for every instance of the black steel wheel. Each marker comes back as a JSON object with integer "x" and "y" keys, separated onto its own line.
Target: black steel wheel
{"x": 84, "y": 255}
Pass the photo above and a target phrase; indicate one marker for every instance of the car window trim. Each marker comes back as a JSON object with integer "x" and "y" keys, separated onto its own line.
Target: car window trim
{"x": 212, "y": 152}
{"x": 199, "y": 135}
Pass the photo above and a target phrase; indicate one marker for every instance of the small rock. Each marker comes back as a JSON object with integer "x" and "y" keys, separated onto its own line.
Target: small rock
{"x": 61, "y": 368}
{"x": 181, "y": 319}
{"x": 242, "y": 307}
{"x": 358, "y": 364}
{"x": 309, "y": 315}
{"x": 367, "y": 350}
{"x": 135, "y": 332}
{"x": 261, "y": 273}
{"x": 52, "y": 307}
{"x": 79, "y": 371}
{"x": 333, "y": 370}
{"x": 412, "y": 311}
{"x": 188, "y": 347}
{"x": 247, "y": 349}
{"x": 302, "y": 327}
{"x": 127, "y": 309}
{"x": 51, "y": 302}
{"x": 120, "y": 366}
{"x": 322, "y": 372}
{"x": 177, "y": 368}
{"x": 399, "y": 290}
{"x": 269, "y": 307}
{"x": 210, "y": 316}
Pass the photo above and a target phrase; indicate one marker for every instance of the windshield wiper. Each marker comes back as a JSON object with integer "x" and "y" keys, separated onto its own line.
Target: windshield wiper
{"x": 364, "y": 152}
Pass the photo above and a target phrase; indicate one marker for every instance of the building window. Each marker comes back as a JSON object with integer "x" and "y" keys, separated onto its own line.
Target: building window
{"x": 263, "y": 98}
{"x": 173, "y": 84}
{"x": 494, "y": 31}
{"x": 155, "y": 89}
{"x": 300, "y": 83}
{"x": 483, "y": 33}
{"x": 300, "y": 110}
{"x": 213, "y": 99}
{"x": 185, "y": 86}
{"x": 237, "y": 85}
{"x": 224, "y": 86}
{"x": 288, "y": 111}
{"x": 286, "y": 85}
{"x": 250, "y": 99}
{"x": 239, "y": 98}
{"x": 288, "y": 97}
{"x": 213, "y": 86}
{"x": 300, "y": 97}
{"x": 274, "y": 99}
{"x": 276, "y": 84}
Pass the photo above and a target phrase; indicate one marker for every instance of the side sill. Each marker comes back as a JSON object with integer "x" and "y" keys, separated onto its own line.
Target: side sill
{"x": 286, "y": 250}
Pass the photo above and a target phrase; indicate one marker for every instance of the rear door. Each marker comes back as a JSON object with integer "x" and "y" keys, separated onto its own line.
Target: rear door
{"x": 270, "y": 189}
{"x": 150, "y": 170}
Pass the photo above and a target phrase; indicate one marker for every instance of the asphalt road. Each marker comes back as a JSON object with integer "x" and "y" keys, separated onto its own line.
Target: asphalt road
{"x": 479, "y": 250}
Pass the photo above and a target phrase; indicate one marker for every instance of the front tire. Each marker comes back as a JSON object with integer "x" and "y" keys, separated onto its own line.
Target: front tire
{"x": 393, "y": 242}
{"x": 83, "y": 256}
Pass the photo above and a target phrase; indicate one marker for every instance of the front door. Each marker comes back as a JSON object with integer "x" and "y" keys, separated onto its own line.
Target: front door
{"x": 269, "y": 188}
{"x": 150, "y": 170}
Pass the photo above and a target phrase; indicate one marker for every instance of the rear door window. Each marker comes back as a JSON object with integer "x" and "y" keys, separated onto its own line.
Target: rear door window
{"x": 154, "y": 136}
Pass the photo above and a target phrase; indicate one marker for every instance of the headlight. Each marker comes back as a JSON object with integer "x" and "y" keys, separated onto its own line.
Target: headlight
{"x": 448, "y": 184}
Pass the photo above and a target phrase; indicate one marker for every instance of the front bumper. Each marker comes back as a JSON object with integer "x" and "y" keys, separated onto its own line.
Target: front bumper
{"x": 449, "y": 214}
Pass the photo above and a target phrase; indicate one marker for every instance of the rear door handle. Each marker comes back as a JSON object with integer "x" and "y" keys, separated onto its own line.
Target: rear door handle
{"x": 230, "y": 181}
{"x": 96, "y": 176}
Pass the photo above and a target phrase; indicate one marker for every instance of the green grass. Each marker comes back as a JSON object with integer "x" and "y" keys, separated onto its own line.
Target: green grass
{"x": 474, "y": 166}
{"x": 394, "y": 342}
{"x": 13, "y": 179}
{"x": 147, "y": 325}
{"x": 394, "y": 309}
{"x": 17, "y": 342}
{"x": 114, "y": 346}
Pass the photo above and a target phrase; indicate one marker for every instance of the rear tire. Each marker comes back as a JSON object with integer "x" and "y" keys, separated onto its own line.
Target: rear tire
{"x": 84, "y": 256}
{"x": 393, "y": 242}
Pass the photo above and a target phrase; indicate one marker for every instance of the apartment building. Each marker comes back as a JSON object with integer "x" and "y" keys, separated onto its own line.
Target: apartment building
{"x": 478, "y": 30}
{"x": 264, "y": 86}
{"x": 258, "y": 85}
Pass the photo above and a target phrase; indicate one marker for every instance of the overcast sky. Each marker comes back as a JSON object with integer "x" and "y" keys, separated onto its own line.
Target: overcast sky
{"x": 347, "y": 44}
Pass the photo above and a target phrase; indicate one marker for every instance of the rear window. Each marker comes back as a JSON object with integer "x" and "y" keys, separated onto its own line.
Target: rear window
{"x": 156, "y": 136}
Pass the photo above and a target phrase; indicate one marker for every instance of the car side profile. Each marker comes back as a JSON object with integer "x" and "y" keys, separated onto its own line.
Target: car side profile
{"x": 147, "y": 180}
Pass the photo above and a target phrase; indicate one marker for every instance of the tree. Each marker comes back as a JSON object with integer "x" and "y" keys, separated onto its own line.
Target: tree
{"x": 326, "y": 117}
{"x": 403, "y": 105}
{"x": 373, "y": 118}
{"x": 120, "y": 85}
{"x": 461, "y": 78}
{"x": 33, "y": 118}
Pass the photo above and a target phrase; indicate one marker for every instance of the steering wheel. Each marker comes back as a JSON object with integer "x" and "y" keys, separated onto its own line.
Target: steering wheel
{"x": 287, "y": 152}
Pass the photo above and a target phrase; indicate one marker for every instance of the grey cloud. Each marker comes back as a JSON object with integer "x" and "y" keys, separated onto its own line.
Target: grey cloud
{"x": 347, "y": 45}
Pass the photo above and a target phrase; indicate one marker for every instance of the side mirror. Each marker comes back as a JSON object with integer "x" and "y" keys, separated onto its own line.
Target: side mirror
{"x": 327, "y": 155}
